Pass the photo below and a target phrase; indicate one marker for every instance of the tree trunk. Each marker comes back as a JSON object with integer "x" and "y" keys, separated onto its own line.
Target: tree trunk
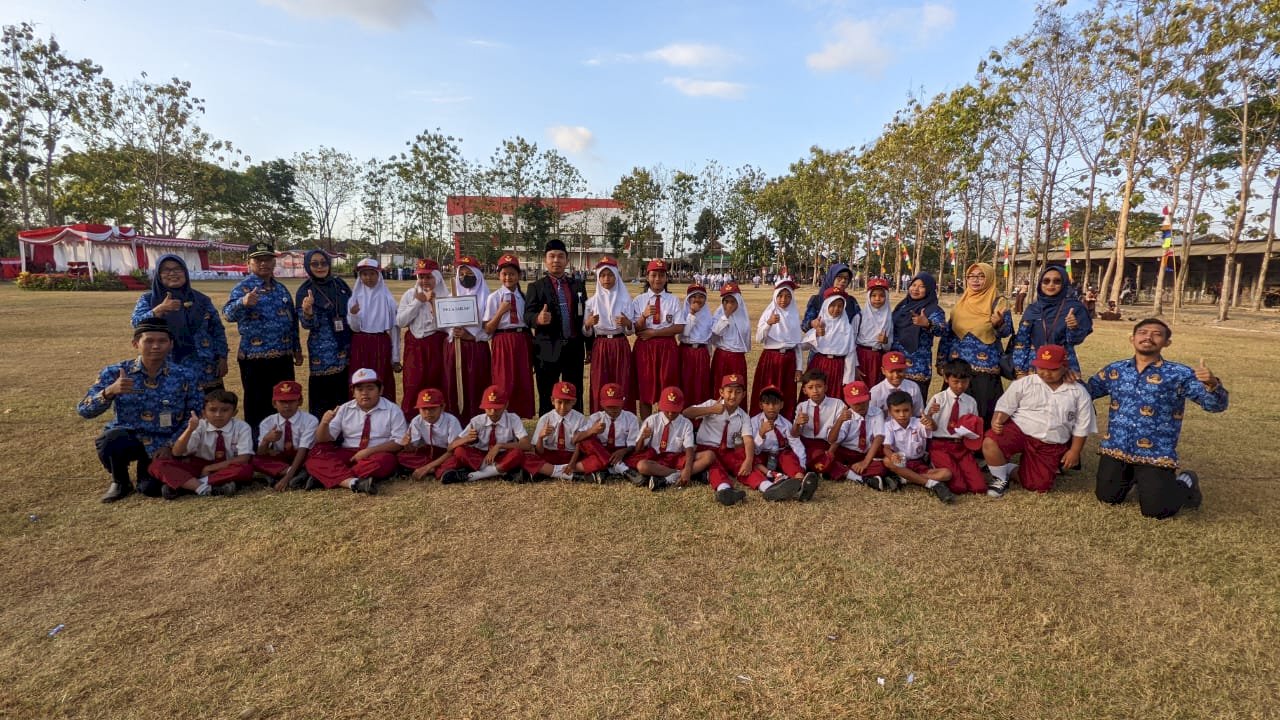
{"x": 1088, "y": 217}
{"x": 1260, "y": 291}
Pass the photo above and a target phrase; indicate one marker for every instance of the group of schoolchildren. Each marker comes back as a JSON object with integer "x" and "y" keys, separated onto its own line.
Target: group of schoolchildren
{"x": 883, "y": 436}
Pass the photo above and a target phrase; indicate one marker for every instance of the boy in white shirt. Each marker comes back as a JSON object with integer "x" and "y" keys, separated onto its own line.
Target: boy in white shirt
{"x": 815, "y": 416}
{"x": 357, "y": 442}
{"x": 610, "y": 436}
{"x": 857, "y": 437}
{"x": 779, "y": 461}
{"x": 556, "y": 453}
{"x": 431, "y": 434}
{"x": 492, "y": 444}
{"x": 1045, "y": 418}
{"x": 665, "y": 448}
{"x": 211, "y": 455}
{"x": 895, "y": 371}
{"x": 905, "y": 448}
{"x": 726, "y": 446}
{"x": 955, "y": 429}
{"x": 286, "y": 438}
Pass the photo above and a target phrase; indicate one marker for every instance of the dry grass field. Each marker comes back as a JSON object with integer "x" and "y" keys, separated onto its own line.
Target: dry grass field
{"x": 557, "y": 600}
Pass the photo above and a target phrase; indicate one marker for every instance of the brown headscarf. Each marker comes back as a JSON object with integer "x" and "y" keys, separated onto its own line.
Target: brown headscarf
{"x": 972, "y": 313}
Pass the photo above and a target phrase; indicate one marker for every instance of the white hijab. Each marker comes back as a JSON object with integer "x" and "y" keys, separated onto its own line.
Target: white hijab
{"x": 839, "y": 338}
{"x": 480, "y": 291}
{"x": 697, "y": 326}
{"x": 875, "y": 321}
{"x": 739, "y": 321}
{"x": 787, "y": 331}
{"x": 609, "y": 304}
{"x": 377, "y": 304}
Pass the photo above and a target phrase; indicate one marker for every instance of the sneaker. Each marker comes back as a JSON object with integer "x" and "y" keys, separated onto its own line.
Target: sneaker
{"x": 365, "y": 485}
{"x": 657, "y": 482}
{"x": 876, "y": 482}
{"x": 313, "y": 484}
{"x": 944, "y": 493}
{"x": 451, "y": 477}
{"x": 224, "y": 489}
{"x": 996, "y": 487}
{"x": 1194, "y": 496}
{"x": 636, "y": 478}
{"x": 730, "y": 496}
{"x": 117, "y": 490}
{"x": 299, "y": 481}
{"x": 169, "y": 493}
{"x": 782, "y": 490}
{"x": 808, "y": 486}
{"x": 598, "y": 478}
{"x": 702, "y": 478}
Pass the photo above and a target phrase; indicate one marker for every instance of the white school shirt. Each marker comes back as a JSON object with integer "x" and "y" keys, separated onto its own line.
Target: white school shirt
{"x": 440, "y": 433}
{"x": 945, "y": 399}
{"x": 727, "y": 335}
{"x": 848, "y": 436}
{"x": 510, "y": 429}
{"x": 414, "y": 315}
{"x": 909, "y": 441}
{"x": 626, "y": 428}
{"x": 496, "y": 298}
{"x": 237, "y": 436}
{"x": 679, "y": 438}
{"x": 386, "y": 423}
{"x": 573, "y": 423}
{"x": 880, "y": 396}
{"x": 768, "y": 444}
{"x": 712, "y": 427}
{"x": 303, "y": 425}
{"x": 828, "y": 411}
{"x": 1048, "y": 415}
{"x": 672, "y": 310}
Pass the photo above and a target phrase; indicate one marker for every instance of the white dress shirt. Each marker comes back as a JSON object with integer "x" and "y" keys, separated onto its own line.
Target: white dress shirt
{"x": 237, "y": 436}
{"x": 945, "y": 400}
{"x": 443, "y": 431}
{"x": 626, "y": 428}
{"x": 827, "y": 413}
{"x": 770, "y": 444}
{"x": 1048, "y": 415}
{"x": 851, "y": 436}
{"x": 509, "y": 429}
{"x": 880, "y": 396}
{"x": 573, "y": 422}
{"x": 671, "y": 310}
{"x": 386, "y": 424}
{"x": 712, "y": 428}
{"x": 910, "y": 441}
{"x": 679, "y": 438}
{"x": 303, "y": 426}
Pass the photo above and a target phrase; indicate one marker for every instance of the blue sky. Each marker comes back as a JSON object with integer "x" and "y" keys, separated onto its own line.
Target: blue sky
{"x": 613, "y": 85}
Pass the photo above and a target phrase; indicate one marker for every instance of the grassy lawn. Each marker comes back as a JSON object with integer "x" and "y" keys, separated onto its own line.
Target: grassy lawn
{"x": 555, "y": 600}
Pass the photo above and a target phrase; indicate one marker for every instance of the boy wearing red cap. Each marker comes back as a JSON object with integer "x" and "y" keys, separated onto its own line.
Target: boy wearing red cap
{"x": 610, "y": 436}
{"x": 894, "y": 364}
{"x": 857, "y": 437}
{"x": 212, "y": 454}
{"x": 875, "y": 331}
{"x": 492, "y": 444}
{"x": 779, "y": 456}
{"x": 430, "y": 436}
{"x": 511, "y": 345}
{"x": 556, "y": 453}
{"x": 357, "y": 442}
{"x": 286, "y": 438}
{"x": 726, "y": 444}
{"x": 424, "y": 356}
{"x": 659, "y": 319}
{"x": 1043, "y": 417}
{"x": 955, "y": 429}
{"x": 665, "y": 448}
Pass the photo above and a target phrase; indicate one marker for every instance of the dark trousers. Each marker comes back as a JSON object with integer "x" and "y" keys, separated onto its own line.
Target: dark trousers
{"x": 986, "y": 389}
{"x": 116, "y": 450}
{"x": 258, "y": 376}
{"x": 327, "y": 392}
{"x": 568, "y": 368}
{"x": 1160, "y": 494}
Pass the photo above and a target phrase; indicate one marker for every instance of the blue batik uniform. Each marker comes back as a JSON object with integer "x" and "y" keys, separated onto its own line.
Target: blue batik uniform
{"x": 1145, "y": 417}
{"x": 328, "y": 349}
{"x": 199, "y": 339}
{"x": 983, "y": 357}
{"x": 920, "y": 360}
{"x": 270, "y": 328}
{"x": 157, "y": 415}
{"x": 1024, "y": 347}
{"x": 1045, "y": 323}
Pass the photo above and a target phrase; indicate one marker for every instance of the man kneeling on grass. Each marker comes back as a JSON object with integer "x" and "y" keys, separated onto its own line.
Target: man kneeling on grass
{"x": 369, "y": 428}
{"x": 905, "y": 448}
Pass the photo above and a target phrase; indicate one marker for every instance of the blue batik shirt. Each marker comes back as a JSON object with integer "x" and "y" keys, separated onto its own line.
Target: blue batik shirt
{"x": 983, "y": 357}
{"x": 327, "y": 349}
{"x": 155, "y": 412}
{"x": 1145, "y": 418}
{"x": 270, "y": 328}
{"x": 920, "y": 361}
{"x": 207, "y": 341}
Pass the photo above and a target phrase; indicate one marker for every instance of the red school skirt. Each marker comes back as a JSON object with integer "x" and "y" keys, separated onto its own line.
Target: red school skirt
{"x": 775, "y": 367}
{"x": 512, "y": 370}
{"x": 657, "y": 366}
{"x": 612, "y": 362}
{"x": 695, "y": 374}
{"x": 373, "y": 351}
{"x": 477, "y": 363}
{"x": 728, "y": 362}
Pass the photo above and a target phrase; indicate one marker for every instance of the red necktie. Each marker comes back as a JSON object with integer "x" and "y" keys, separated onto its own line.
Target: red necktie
{"x": 955, "y": 416}
{"x": 657, "y": 308}
{"x": 219, "y": 447}
{"x": 817, "y": 419}
{"x": 666, "y": 433}
{"x": 493, "y": 435}
{"x": 562, "y": 286}
{"x": 364, "y": 433}
{"x": 288, "y": 436}
{"x": 781, "y": 442}
{"x": 429, "y": 435}
{"x": 724, "y": 436}
{"x": 515, "y": 318}
{"x": 560, "y": 436}
{"x": 612, "y": 424}
{"x": 862, "y": 434}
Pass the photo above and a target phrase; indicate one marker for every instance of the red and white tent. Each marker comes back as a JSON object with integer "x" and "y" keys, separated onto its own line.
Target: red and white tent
{"x": 114, "y": 249}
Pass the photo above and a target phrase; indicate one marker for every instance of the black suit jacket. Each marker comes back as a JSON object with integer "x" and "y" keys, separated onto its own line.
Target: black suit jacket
{"x": 549, "y": 340}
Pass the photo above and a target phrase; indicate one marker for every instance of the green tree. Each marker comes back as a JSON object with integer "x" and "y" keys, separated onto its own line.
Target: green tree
{"x": 259, "y": 204}
{"x": 641, "y": 195}
{"x": 326, "y": 181}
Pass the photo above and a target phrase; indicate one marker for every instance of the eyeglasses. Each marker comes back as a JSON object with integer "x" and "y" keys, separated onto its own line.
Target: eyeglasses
{"x": 1051, "y": 281}
{"x": 171, "y": 271}
{"x": 318, "y": 263}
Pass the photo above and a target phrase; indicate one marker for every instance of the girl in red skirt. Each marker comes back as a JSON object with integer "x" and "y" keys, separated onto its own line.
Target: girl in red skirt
{"x": 424, "y": 343}
{"x": 875, "y": 331}
{"x": 610, "y": 318}
{"x": 832, "y": 341}
{"x": 470, "y": 342}
{"x": 695, "y": 353}
{"x": 511, "y": 345}
{"x": 371, "y": 315}
{"x": 659, "y": 318}
{"x": 730, "y": 334}
{"x": 778, "y": 328}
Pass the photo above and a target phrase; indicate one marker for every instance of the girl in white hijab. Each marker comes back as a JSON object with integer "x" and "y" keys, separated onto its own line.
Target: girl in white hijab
{"x": 371, "y": 314}
{"x": 695, "y": 357}
{"x": 424, "y": 355}
{"x": 875, "y": 331}
{"x": 730, "y": 334}
{"x": 780, "y": 364}
{"x": 609, "y": 318}
{"x": 833, "y": 341}
{"x": 471, "y": 343}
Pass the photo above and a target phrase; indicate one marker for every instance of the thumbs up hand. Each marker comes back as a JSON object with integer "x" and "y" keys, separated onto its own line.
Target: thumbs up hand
{"x": 1072, "y": 323}
{"x": 353, "y": 308}
{"x": 276, "y": 434}
{"x": 919, "y": 320}
{"x": 1204, "y": 375}
{"x": 121, "y": 386}
{"x": 309, "y": 303}
{"x": 193, "y": 422}
{"x": 774, "y": 319}
{"x": 250, "y": 298}
{"x": 544, "y": 316}
{"x": 169, "y": 305}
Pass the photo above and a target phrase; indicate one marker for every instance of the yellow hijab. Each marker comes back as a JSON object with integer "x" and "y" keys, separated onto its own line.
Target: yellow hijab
{"x": 972, "y": 313}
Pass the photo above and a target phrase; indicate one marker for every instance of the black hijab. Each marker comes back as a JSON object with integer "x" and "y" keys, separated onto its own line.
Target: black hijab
{"x": 907, "y": 332}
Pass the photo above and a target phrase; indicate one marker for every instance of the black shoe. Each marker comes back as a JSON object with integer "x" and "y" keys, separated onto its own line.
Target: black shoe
{"x": 944, "y": 493}
{"x": 299, "y": 481}
{"x": 636, "y": 478}
{"x": 730, "y": 496}
{"x": 223, "y": 489}
{"x": 149, "y": 486}
{"x": 600, "y": 477}
{"x": 169, "y": 493}
{"x": 312, "y": 484}
{"x": 808, "y": 487}
{"x": 365, "y": 485}
{"x": 453, "y": 477}
{"x": 1194, "y": 497}
{"x": 581, "y": 477}
{"x": 657, "y": 482}
{"x": 876, "y": 482}
{"x": 116, "y": 491}
{"x": 782, "y": 490}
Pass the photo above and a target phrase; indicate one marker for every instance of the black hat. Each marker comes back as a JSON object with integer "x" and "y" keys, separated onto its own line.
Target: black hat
{"x": 555, "y": 244}
{"x": 262, "y": 249}
{"x": 152, "y": 325}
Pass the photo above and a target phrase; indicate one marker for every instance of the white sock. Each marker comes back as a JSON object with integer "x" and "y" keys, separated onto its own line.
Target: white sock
{"x": 619, "y": 469}
{"x": 673, "y": 478}
{"x": 487, "y": 471}
{"x": 723, "y": 486}
{"x": 853, "y": 476}
{"x": 1000, "y": 471}
{"x": 930, "y": 483}
{"x": 349, "y": 482}
{"x": 765, "y": 485}
{"x": 204, "y": 488}
{"x": 559, "y": 471}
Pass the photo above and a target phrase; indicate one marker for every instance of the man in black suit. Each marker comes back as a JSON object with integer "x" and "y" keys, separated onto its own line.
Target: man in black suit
{"x": 553, "y": 308}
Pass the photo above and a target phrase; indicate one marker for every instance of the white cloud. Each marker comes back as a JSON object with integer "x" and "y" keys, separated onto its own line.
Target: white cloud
{"x": 571, "y": 138}
{"x": 480, "y": 42}
{"x": 375, "y": 14}
{"x": 707, "y": 88}
{"x": 690, "y": 55}
{"x": 858, "y": 44}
